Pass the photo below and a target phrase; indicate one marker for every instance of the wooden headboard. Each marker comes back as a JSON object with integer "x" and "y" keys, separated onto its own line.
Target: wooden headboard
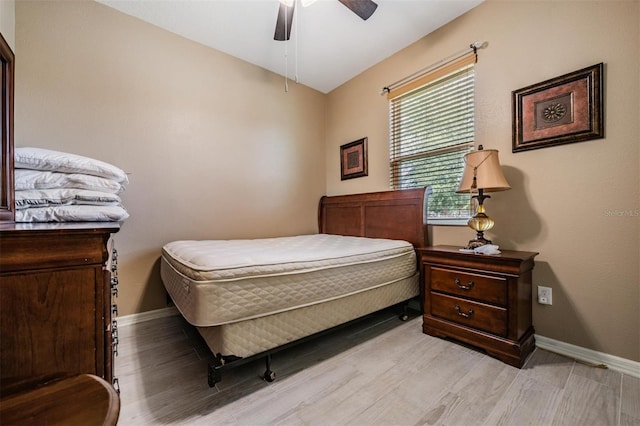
{"x": 397, "y": 215}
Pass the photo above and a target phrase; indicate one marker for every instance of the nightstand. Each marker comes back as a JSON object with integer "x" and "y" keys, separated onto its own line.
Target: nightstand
{"x": 482, "y": 300}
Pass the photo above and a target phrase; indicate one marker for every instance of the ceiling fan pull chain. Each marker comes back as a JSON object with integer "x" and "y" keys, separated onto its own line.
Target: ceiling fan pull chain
{"x": 286, "y": 53}
{"x": 297, "y": 18}
{"x": 286, "y": 68}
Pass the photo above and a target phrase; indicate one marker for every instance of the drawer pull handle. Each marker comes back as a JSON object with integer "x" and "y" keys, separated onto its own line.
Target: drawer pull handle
{"x": 464, "y": 314}
{"x": 464, "y": 287}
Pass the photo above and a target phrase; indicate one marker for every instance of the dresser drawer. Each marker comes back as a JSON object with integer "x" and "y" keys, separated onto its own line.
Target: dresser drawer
{"x": 488, "y": 318}
{"x": 480, "y": 287}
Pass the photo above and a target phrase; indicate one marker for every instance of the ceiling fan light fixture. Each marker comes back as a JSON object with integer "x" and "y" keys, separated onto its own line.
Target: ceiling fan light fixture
{"x": 363, "y": 8}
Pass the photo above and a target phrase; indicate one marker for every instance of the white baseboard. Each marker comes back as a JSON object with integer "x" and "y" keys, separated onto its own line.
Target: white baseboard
{"x": 626, "y": 366}
{"x": 126, "y": 320}
{"x": 623, "y": 365}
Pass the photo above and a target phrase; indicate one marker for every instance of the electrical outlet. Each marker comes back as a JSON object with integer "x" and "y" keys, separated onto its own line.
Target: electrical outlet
{"x": 545, "y": 295}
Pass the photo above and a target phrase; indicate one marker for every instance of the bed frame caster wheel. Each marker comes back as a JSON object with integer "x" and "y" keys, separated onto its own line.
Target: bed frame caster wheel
{"x": 269, "y": 376}
{"x": 213, "y": 373}
{"x": 404, "y": 317}
{"x": 213, "y": 376}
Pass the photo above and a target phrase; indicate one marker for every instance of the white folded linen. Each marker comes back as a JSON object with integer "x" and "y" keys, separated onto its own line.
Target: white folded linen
{"x": 63, "y": 196}
{"x": 49, "y": 160}
{"x": 82, "y": 213}
{"x": 26, "y": 179}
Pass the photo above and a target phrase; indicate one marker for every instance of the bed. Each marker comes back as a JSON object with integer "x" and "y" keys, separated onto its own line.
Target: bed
{"x": 251, "y": 298}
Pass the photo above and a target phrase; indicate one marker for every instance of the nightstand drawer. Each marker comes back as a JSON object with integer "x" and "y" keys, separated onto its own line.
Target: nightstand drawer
{"x": 488, "y": 318}
{"x": 480, "y": 287}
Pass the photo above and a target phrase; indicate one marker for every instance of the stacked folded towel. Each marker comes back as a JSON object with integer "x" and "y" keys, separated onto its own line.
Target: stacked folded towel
{"x": 52, "y": 186}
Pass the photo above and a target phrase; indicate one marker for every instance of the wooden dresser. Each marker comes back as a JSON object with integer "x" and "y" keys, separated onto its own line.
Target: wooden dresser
{"x": 481, "y": 300}
{"x": 56, "y": 300}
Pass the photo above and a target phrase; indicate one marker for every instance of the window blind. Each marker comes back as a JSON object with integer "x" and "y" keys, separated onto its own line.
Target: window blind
{"x": 431, "y": 123}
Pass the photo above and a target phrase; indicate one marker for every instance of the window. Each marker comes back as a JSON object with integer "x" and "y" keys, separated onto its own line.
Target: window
{"x": 431, "y": 129}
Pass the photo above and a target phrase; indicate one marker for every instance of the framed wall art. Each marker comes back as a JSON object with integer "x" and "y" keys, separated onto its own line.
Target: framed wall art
{"x": 558, "y": 111}
{"x": 353, "y": 159}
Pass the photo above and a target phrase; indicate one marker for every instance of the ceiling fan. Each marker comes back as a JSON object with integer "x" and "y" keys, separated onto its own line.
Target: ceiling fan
{"x": 363, "y": 8}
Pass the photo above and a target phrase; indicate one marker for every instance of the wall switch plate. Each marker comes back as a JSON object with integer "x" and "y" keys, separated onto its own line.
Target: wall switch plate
{"x": 545, "y": 295}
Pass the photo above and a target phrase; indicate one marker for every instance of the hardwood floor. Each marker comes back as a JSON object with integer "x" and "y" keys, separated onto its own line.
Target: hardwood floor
{"x": 379, "y": 371}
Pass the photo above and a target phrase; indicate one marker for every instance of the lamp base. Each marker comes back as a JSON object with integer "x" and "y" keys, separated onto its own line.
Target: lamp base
{"x": 479, "y": 241}
{"x": 479, "y": 222}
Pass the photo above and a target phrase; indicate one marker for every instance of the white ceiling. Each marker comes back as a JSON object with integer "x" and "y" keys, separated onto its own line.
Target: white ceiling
{"x": 329, "y": 44}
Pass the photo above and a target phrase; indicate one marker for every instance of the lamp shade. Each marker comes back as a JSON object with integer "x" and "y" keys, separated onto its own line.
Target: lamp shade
{"x": 484, "y": 165}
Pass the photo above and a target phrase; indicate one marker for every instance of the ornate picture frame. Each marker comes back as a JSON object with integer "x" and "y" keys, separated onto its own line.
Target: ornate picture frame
{"x": 353, "y": 159}
{"x": 559, "y": 111}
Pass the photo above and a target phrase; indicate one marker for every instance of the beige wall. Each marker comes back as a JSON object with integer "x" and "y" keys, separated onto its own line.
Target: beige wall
{"x": 8, "y": 21}
{"x": 214, "y": 146}
{"x": 563, "y": 198}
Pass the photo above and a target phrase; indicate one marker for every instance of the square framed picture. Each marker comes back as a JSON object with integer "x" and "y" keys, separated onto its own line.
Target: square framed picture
{"x": 353, "y": 159}
{"x": 562, "y": 110}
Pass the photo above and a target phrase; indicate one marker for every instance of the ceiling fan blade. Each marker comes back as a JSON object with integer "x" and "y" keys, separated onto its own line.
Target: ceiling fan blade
{"x": 284, "y": 21}
{"x": 362, "y": 8}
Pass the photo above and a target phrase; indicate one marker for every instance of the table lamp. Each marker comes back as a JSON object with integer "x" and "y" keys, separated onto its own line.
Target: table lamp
{"x": 482, "y": 173}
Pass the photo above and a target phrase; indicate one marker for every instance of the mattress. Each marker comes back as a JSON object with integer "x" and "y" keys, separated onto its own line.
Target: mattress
{"x": 215, "y": 282}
